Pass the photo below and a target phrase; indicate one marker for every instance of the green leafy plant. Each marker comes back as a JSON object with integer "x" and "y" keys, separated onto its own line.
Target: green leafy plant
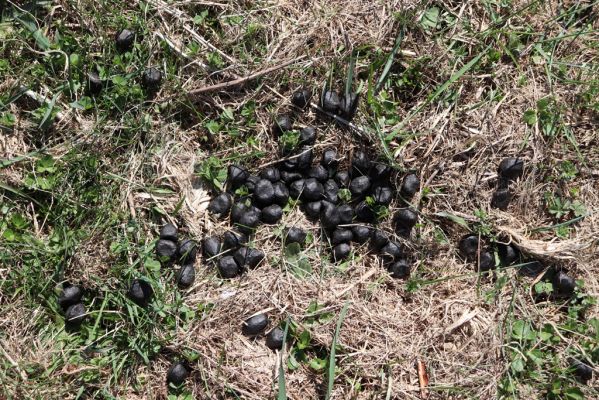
{"x": 213, "y": 171}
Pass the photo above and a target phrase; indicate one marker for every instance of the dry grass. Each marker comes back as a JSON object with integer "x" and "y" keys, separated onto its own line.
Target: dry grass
{"x": 451, "y": 325}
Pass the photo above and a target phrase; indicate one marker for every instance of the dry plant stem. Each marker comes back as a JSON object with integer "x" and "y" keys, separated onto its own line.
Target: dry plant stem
{"x": 40, "y": 99}
{"x": 422, "y": 379}
{"x": 13, "y": 363}
{"x": 180, "y": 52}
{"x": 362, "y": 133}
{"x": 237, "y": 82}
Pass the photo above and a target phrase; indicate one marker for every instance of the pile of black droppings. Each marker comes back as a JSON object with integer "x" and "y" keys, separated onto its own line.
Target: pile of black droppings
{"x": 348, "y": 202}
{"x": 70, "y": 301}
{"x": 510, "y": 169}
{"x": 487, "y": 254}
{"x": 150, "y": 78}
{"x": 170, "y": 250}
{"x": 256, "y": 325}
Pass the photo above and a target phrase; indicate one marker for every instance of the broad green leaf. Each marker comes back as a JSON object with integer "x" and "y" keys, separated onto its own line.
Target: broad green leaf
{"x": 318, "y": 364}
{"x": 85, "y": 103}
{"x": 41, "y": 40}
{"x": 522, "y": 330}
{"x": 300, "y": 267}
{"x": 574, "y": 393}
{"x": 292, "y": 250}
{"x": 303, "y": 341}
{"x": 430, "y": 19}
{"x": 530, "y": 117}
{"x": 454, "y": 218}
{"x": 517, "y": 365}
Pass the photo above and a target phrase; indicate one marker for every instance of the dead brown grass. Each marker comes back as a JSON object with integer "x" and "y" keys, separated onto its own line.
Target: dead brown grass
{"x": 452, "y": 326}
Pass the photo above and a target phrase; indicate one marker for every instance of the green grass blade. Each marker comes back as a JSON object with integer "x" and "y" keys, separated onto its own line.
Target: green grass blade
{"x": 452, "y": 217}
{"x": 350, "y": 74}
{"x": 282, "y": 393}
{"x": 16, "y": 191}
{"x": 331, "y": 372}
{"x": 46, "y": 120}
{"x": 441, "y": 89}
{"x": 566, "y": 223}
{"x": 390, "y": 59}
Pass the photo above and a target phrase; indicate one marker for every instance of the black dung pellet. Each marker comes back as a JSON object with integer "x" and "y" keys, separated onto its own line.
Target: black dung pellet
{"x": 249, "y": 221}
{"x": 410, "y": 186}
{"x": 319, "y": 173}
{"x": 329, "y": 215}
{"x": 71, "y": 294}
{"x": 295, "y": 235}
{"x": 330, "y": 102}
{"x": 400, "y": 269}
{"x": 271, "y": 173}
{"x": 468, "y": 247}
{"x": 307, "y": 136}
{"x": 341, "y": 252}
{"x": 289, "y": 177}
{"x": 166, "y": 250}
{"x": 187, "y": 252}
{"x": 221, "y": 204}
{"x": 140, "y": 292}
{"x": 211, "y": 247}
{"x": 563, "y": 284}
{"x": 313, "y": 190}
{"x": 331, "y": 191}
{"x": 361, "y": 233}
{"x": 248, "y": 257}
{"x": 272, "y": 214}
{"x": 177, "y": 373}
{"x": 404, "y": 221}
{"x": 228, "y": 268}
{"x": 380, "y": 173}
{"x": 281, "y": 194}
{"x": 486, "y": 261}
{"x": 508, "y": 253}
{"x": 305, "y": 157}
{"x": 254, "y": 325}
{"x": 297, "y": 188}
{"x": 341, "y": 235}
{"x": 301, "y": 98}
{"x": 233, "y": 240}
{"x": 582, "y": 371}
{"x": 342, "y": 178}
{"x": 282, "y": 124}
{"x": 312, "y": 209}
{"x": 382, "y": 195}
{"x": 169, "y": 232}
{"x": 151, "y": 79}
{"x": 511, "y": 168}
{"x": 359, "y": 186}
{"x": 346, "y": 214}
{"x": 391, "y": 252}
{"x": 379, "y": 239}
{"x": 75, "y": 314}
{"x": 501, "y": 198}
{"x": 329, "y": 159}
{"x": 348, "y": 106}
{"x": 94, "y": 83}
{"x": 236, "y": 176}
{"x": 186, "y": 276}
{"x": 365, "y": 213}
{"x": 124, "y": 40}
{"x": 274, "y": 339}
{"x": 360, "y": 163}
{"x": 264, "y": 193}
